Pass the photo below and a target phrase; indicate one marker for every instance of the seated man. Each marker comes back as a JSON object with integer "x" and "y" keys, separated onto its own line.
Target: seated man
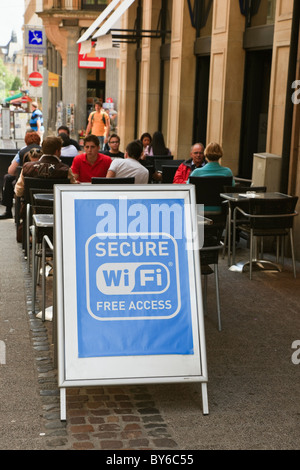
{"x": 32, "y": 141}
{"x": 48, "y": 166}
{"x": 91, "y": 163}
{"x": 130, "y": 165}
{"x": 196, "y": 161}
{"x": 114, "y": 144}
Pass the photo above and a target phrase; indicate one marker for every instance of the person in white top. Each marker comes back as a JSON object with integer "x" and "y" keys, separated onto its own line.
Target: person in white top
{"x": 129, "y": 165}
{"x": 68, "y": 149}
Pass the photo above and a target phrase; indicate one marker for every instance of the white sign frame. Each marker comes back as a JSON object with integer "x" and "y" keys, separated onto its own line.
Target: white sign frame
{"x": 35, "y": 48}
{"x": 75, "y": 371}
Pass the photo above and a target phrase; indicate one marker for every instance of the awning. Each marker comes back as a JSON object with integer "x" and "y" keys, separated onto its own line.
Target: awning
{"x": 106, "y": 19}
{"x": 108, "y": 34}
{"x": 13, "y": 97}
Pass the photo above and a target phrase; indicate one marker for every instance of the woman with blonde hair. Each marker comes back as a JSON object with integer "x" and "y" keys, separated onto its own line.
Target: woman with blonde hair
{"x": 213, "y": 153}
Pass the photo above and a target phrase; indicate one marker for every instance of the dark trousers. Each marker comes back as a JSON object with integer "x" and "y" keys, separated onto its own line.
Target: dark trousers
{"x": 8, "y": 193}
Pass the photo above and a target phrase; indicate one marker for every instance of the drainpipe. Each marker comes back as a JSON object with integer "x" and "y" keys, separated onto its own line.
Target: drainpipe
{"x": 288, "y": 119}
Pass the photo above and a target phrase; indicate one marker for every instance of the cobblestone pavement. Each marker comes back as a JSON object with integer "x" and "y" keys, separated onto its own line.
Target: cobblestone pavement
{"x": 103, "y": 418}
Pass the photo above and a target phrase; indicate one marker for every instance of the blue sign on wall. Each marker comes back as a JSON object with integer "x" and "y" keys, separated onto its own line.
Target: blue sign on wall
{"x": 35, "y": 40}
{"x": 35, "y": 37}
{"x": 133, "y": 291}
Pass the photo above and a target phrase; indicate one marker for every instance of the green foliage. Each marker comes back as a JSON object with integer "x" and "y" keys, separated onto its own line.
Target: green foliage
{"x": 6, "y": 81}
{"x": 16, "y": 85}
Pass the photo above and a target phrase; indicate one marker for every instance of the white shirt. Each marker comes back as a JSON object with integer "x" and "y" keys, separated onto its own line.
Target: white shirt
{"x": 128, "y": 167}
{"x": 69, "y": 151}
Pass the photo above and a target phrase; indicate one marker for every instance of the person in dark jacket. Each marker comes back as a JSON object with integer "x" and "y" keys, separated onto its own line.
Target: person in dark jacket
{"x": 32, "y": 141}
{"x": 48, "y": 166}
{"x": 196, "y": 161}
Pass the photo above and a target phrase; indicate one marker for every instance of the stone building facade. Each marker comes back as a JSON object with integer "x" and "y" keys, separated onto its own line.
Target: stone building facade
{"x": 198, "y": 70}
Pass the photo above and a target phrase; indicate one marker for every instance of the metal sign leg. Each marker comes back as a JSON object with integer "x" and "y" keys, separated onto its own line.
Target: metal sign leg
{"x": 204, "y": 398}
{"x": 63, "y": 414}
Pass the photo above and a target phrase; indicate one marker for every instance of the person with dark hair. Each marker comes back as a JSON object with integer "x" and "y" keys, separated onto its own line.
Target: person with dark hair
{"x": 92, "y": 163}
{"x": 146, "y": 140}
{"x": 114, "y": 144}
{"x": 68, "y": 149}
{"x": 99, "y": 124}
{"x": 48, "y": 166}
{"x": 66, "y": 130}
{"x": 157, "y": 146}
{"x": 32, "y": 141}
{"x": 130, "y": 165}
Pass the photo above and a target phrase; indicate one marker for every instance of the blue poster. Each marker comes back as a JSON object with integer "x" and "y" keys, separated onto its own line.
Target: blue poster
{"x": 133, "y": 291}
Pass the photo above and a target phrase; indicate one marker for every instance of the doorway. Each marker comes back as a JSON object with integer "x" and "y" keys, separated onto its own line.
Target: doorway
{"x": 255, "y": 108}
{"x": 201, "y": 99}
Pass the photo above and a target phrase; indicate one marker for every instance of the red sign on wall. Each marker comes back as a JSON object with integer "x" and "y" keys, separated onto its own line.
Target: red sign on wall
{"x": 35, "y": 79}
{"x": 90, "y": 60}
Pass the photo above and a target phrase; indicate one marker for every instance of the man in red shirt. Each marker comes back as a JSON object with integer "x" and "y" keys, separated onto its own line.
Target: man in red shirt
{"x": 92, "y": 163}
{"x": 196, "y": 161}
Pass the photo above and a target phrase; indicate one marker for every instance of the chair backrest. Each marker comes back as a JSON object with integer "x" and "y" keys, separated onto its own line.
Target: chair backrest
{"x": 33, "y": 191}
{"x": 168, "y": 173}
{"x": 40, "y": 183}
{"x": 103, "y": 180}
{"x": 155, "y": 159}
{"x": 245, "y": 189}
{"x": 160, "y": 162}
{"x": 67, "y": 160}
{"x": 166, "y": 157}
{"x": 209, "y": 188}
{"x": 269, "y": 207}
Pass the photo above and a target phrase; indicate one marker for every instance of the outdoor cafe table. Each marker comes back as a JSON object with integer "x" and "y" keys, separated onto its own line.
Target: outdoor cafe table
{"x": 241, "y": 197}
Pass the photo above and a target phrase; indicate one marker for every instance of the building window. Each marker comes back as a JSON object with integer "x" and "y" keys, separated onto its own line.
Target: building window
{"x": 258, "y": 12}
{"x": 93, "y": 4}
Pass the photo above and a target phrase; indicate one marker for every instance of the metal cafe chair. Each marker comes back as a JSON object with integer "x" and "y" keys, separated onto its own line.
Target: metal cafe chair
{"x": 169, "y": 169}
{"x": 47, "y": 246}
{"x": 168, "y": 173}
{"x": 243, "y": 204}
{"x": 209, "y": 188}
{"x": 42, "y": 226}
{"x": 209, "y": 258}
{"x": 269, "y": 217}
{"x": 160, "y": 162}
{"x": 41, "y": 184}
{"x": 104, "y": 180}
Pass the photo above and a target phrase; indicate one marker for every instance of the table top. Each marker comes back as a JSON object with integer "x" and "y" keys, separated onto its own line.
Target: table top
{"x": 43, "y": 220}
{"x": 43, "y": 197}
{"x": 252, "y": 194}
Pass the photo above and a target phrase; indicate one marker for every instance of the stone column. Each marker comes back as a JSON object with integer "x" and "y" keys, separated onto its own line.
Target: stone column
{"x": 226, "y": 80}
{"x": 127, "y": 83}
{"x": 279, "y": 74}
{"x": 182, "y": 85}
{"x": 150, "y": 71}
{"x": 74, "y": 86}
